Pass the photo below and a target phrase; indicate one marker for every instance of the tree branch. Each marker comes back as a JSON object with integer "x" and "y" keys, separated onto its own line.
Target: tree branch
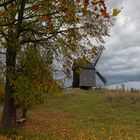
{"x": 20, "y": 16}
{"x": 4, "y": 4}
{"x": 7, "y": 24}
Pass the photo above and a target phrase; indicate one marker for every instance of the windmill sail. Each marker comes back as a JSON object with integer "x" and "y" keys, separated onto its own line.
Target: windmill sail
{"x": 101, "y": 77}
{"x": 98, "y": 55}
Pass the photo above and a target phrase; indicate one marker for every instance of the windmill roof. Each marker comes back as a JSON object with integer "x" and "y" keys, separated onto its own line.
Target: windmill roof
{"x": 84, "y": 64}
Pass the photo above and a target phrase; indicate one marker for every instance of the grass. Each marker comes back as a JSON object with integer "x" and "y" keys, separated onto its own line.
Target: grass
{"x": 131, "y": 97}
{"x": 83, "y": 115}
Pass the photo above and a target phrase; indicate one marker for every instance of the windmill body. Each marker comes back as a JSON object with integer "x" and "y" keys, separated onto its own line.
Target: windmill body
{"x": 84, "y": 73}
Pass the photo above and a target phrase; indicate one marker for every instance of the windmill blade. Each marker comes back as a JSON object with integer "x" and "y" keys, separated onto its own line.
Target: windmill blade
{"x": 98, "y": 56}
{"x": 101, "y": 77}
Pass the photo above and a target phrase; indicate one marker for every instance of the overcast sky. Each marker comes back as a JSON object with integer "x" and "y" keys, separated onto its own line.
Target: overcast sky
{"x": 120, "y": 62}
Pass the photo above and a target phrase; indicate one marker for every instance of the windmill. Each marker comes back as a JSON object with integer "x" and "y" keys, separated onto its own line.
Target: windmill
{"x": 101, "y": 77}
{"x": 84, "y": 74}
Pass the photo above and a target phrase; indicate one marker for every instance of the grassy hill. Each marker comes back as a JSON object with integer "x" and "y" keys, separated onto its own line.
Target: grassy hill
{"x": 84, "y": 115}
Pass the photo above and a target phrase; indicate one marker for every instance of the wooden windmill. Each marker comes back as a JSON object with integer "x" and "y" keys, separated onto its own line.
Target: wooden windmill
{"x": 84, "y": 73}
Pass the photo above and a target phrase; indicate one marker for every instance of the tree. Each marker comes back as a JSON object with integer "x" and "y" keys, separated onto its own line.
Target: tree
{"x": 61, "y": 28}
{"x": 34, "y": 76}
{"x": 1, "y": 72}
{"x": 123, "y": 87}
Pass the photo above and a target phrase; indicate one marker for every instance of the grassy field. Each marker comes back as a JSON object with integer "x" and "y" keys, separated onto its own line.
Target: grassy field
{"x": 84, "y": 115}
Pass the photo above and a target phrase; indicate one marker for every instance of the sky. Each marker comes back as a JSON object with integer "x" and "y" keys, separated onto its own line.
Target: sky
{"x": 120, "y": 61}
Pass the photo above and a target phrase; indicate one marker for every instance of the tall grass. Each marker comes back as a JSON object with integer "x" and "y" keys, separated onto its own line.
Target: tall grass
{"x": 132, "y": 97}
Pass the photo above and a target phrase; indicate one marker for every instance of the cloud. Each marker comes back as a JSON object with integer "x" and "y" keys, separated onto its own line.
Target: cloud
{"x": 114, "y": 4}
{"x": 120, "y": 60}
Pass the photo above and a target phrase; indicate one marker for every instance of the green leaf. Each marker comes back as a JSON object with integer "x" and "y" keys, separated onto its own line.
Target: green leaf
{"x": 116, "y": 12}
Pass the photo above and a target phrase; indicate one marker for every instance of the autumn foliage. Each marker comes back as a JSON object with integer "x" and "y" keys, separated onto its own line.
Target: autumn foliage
{"x": 59, "y": 31}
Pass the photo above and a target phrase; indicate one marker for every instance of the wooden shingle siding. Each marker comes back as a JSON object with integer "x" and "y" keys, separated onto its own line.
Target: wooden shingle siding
{"x": 87, "y": 78}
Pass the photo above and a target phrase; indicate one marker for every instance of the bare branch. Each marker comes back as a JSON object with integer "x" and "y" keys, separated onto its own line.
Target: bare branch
{"x": 20, "y": 16}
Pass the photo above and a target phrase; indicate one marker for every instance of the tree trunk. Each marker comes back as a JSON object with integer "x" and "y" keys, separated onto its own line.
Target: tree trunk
{"x": 9, "y": 110}
{"x": 24, "y": 111}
